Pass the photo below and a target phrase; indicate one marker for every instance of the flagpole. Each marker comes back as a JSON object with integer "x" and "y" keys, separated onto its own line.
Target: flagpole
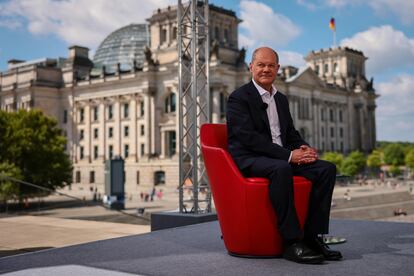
{"x": 334, "y": 38}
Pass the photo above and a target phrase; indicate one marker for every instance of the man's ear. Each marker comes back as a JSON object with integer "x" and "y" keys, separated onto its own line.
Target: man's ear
{"x": 250, "y": 67}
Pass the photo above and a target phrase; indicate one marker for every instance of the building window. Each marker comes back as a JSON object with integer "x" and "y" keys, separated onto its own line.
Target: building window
{"x": 95, "y": 113}
{"x": 323, "y": 146}
{"x": 81, "y": 115}
{"x": 142, "y": 130}
{"x": 317, "y": 69}
{"x": 126, "y": 131}
{"x": 340, "y": 116}
{"x": 331, "y": 115}
{"x": 217, "y": 33}
{"x": 170, "y": 103}
{"x": 326, "y": 67}
{"x": 332, "y": 132}
{"x": 142, "y": 108}
{"x": 302, "y": 132}
{"x": 174, "y": 33}
{"x": 226, "y": 36}
{"x": 81, "y": 152}
{"x": 92, "y": 177}
{"x": 323, "y": 132}
{"x": 110, "y": 112}
{"x": 110, "y": 132}
{"x": 332, "y": 146}
{"x": 110, "y": 151}
{"x": 78, "y": 177}
{"x": 126, "y": 151}
{"x": 341, "y": 132}
{"x": 126, "y": 110}
{"x": 95, "y": 152}
{"x": 95, "y": 133}
{"x": 163, "y": 35}
{"x": 323, "y": 114}
{"x": 65, "y": 116}
{"x": 171, "y": 142}
{"x": 336, "y": 68}
{"x": 342, "y": 146}
{"x": 81, "y": 134}
{"x": 142, "y": 149}
{"x": 137, "y": 177}
{"x": 159, "y": 177}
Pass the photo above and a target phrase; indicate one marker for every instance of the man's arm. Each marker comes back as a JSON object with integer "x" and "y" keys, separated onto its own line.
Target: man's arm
{"x": 241, "y": 124}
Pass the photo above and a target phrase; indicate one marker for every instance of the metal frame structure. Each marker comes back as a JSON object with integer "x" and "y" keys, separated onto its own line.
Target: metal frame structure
{"x": 194, "y": 110}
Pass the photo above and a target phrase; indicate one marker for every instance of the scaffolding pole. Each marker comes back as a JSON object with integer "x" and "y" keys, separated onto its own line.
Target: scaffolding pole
{"x": 193, "y": 111}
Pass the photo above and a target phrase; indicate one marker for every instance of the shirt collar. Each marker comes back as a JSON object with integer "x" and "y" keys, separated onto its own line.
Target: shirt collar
{"x": 263, "y": 91}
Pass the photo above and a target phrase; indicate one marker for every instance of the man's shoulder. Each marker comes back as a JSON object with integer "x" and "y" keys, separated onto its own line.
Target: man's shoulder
{"x": 241, "y": 92}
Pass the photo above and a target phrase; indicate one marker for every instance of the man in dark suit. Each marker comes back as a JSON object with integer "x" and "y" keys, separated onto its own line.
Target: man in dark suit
{"x": 264, "y": 143}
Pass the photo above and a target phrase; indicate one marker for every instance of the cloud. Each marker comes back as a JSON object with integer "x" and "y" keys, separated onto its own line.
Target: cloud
{"x": 385, "y": 47}
{"x": 262, "y": 26}
{"x": 402, "y": 9}
{"x": 291, "y": 58}
{"x": 396, "y": 108}
{"x": 307, "y": 4}
{"x": 81, "y": 22}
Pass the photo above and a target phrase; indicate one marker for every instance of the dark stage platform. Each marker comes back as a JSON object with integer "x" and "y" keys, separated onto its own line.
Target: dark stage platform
{"x": 373, "y": 248}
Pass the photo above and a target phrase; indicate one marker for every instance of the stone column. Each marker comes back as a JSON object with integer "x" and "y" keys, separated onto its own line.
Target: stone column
{"x": 133, "y": 128}
{"x": 101, "y": 130}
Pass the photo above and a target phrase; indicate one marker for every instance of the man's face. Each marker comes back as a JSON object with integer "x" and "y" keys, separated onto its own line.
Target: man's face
{"x": 264, "y": 68}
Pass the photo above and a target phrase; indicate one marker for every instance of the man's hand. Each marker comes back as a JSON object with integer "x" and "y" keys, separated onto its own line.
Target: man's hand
{"x": 304, "y": 155}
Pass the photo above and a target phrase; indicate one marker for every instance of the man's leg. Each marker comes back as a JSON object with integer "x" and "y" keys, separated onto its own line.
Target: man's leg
{"x": 280, "y": 175}
{"x": 322, "y": 174}
{"x": 281, "y": 195}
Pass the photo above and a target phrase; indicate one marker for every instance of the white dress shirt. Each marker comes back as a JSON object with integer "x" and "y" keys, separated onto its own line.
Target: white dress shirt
{"x": 272, "y": 115}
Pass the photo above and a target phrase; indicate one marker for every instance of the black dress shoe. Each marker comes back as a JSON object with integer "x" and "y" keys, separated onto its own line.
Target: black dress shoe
{"x": 300, "y": 253}
{"x": 319, "y": 246}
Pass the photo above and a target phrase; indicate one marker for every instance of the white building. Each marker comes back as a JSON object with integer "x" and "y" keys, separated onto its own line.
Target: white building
{"x": 113, "y": 108}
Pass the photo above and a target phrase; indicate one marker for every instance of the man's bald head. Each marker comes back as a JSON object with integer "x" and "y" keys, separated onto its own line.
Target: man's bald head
{"x": 265, "y": 49}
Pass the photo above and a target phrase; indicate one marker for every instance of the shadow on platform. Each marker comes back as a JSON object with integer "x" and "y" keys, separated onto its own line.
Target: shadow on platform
{"x": 373, "y": 248}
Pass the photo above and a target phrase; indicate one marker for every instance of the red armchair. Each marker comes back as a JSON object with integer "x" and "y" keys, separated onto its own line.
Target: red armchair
{"x": 246, "y": 217}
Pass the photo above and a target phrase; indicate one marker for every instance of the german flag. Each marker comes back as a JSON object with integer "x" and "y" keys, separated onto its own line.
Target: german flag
{"x": 332, "y": 24}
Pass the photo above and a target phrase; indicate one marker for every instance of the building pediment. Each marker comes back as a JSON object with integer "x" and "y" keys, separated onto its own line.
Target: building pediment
{"x": 305, "y": 76}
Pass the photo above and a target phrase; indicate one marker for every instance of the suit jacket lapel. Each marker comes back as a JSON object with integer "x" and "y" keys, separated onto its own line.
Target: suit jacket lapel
{"x": 257, "y": 102}
{"x": 282, "y": 118}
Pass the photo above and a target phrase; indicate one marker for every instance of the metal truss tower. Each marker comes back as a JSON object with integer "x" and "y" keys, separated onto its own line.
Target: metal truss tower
{"x": 194, "y": 95}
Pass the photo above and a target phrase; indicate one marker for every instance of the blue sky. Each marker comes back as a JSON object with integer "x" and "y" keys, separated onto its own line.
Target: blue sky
{"x": 382, "y": 29}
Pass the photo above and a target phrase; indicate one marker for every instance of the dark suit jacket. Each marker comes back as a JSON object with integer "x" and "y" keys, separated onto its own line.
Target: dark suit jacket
{"x": 248, "y": 127}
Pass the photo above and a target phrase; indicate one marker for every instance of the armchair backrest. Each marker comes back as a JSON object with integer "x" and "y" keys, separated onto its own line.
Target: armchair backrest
{"x": 214, "y": 135}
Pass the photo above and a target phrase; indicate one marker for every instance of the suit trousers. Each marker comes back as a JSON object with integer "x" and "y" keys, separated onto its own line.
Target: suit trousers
{"x": 280, "y": 173}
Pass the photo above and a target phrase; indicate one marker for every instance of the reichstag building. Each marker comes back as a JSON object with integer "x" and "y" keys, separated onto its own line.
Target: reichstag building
{"x": 124, "y": 101}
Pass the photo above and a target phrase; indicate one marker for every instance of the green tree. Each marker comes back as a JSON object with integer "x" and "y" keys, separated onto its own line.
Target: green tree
{"x": 335, "y": 158}
{"x": 395, "y": 170}
{"x": 374, "y": 159}
{"x": 394, "y": 154}
{"x": 409, "y": 159}
{"x": 353, "y": 163}
{"x": 8, "y": 188}
{"x": 34, "y": 144}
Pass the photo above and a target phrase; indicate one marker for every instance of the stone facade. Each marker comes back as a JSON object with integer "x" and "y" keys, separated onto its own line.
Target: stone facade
{"x": 132, "y": 113}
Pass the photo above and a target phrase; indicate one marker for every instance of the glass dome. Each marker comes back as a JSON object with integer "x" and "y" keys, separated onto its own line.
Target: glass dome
{"x": 123, "y": 46}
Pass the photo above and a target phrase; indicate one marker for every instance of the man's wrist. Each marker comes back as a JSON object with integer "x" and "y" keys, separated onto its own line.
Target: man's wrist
{"x": 290, "y": 157}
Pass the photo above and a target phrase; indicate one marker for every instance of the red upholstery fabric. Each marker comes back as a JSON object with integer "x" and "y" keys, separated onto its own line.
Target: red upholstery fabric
{"x": 245, "y": 214}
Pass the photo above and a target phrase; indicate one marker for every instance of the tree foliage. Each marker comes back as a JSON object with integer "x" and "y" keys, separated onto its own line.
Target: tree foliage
{"x": 394, "y": 154}
{"x": 353, "y": 163}
{"x": 335, "y": 158}
{"x": 374, "y": 160}
{"x": 33, "y": 143}
{"x": 8, "y": 188}
{"x": 409, "y": 159}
